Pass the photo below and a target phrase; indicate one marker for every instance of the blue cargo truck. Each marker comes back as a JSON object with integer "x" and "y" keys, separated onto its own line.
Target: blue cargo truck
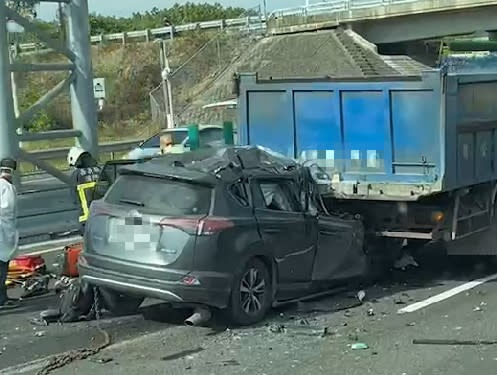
{"x": 414, "y": 155}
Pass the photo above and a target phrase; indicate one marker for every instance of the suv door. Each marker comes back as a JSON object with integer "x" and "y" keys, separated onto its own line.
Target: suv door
{"x": 283, "y": 228}
{"x": 340, "y": 253}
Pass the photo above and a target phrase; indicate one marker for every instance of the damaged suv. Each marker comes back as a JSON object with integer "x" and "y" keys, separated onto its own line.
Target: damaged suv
{"x": 237, "y": 228}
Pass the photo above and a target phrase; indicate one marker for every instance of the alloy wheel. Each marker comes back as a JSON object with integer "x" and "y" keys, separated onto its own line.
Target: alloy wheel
{"x": 252, "y": 291}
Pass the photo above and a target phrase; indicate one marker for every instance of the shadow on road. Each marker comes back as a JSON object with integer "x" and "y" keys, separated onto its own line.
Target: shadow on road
{"x": 32, "y": 305}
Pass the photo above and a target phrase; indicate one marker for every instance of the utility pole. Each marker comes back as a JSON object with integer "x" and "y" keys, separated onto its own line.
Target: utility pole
{"x": 12, "y": 57}
{"x": 166, "y": 86}
{"x": 265, "y": 9}
{"x": 8, "y": 137}
{"x": 15, "y": 99}
{"x": 62, "y": 23}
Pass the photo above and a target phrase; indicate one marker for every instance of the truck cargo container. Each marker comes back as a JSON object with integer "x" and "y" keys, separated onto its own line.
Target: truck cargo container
{"x": 415, "y": 155}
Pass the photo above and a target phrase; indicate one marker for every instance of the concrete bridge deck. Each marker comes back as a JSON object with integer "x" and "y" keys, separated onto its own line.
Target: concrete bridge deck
{"x": 389, "y": 21}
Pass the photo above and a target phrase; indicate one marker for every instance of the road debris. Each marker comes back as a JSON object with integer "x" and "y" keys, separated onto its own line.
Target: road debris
{"x": 370, "y": 312}
{"x": 453, "y": 342}
{"x": 404, "y": 262}
{"x": 102, "y": 360}
{"x": 38, "y": 322}
{"x": 277, "y": 328}
{"x": 411, "y": 324}
{"x": 183, "y": 353}
{"x": 477, "y": 308}
{"x": 40, "y": 333}
{"x": 359, "y": 346}
{"x": 361, "y": 295}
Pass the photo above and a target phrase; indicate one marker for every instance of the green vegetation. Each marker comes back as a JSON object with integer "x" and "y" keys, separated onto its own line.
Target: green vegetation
{"x": 176, "y": 15}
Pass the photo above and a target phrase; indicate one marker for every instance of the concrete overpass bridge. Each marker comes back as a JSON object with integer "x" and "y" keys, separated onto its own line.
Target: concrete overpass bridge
{"x": 389, "y": 21}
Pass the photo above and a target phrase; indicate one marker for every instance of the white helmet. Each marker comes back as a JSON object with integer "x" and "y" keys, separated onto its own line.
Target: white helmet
{"x": 74, "y": 154}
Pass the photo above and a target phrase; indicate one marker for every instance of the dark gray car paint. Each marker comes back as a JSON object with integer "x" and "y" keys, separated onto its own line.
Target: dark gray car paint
{"x": 295, "y": 253}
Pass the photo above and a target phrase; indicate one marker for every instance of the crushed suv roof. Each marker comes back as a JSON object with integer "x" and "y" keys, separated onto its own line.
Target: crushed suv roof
{"x": 210, "y": 164}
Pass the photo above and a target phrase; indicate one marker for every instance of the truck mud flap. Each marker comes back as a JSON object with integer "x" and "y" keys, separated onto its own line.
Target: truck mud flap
{"x": 483, "y": 242}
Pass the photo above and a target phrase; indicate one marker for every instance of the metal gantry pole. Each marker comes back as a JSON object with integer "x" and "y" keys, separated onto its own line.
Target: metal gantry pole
{"x": 8, "y": 137}
{"x": 84, "y": 113}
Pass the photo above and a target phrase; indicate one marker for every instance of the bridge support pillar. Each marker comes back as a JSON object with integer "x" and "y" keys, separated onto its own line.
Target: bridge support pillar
{"x": 84, "y": 113}
{"x": 9, "y": 146}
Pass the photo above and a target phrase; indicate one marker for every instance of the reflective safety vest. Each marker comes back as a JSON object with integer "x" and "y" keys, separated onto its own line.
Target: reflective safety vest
{"x": 83, "y": 190}
{"x": 86, "y": 180}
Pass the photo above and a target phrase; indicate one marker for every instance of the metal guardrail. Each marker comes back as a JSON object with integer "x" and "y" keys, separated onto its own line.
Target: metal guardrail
{"x": 334, "y": 6}
{"x": 61, "y": 152}
{"x": 250, "y": 23}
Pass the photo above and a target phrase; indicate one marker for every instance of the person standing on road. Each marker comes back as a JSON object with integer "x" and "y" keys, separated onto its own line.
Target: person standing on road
{"x": 9, "y": 236}
{"x": 85, "y": 174}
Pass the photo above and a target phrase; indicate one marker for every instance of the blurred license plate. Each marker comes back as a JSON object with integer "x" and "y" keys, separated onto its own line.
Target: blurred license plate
{"x": 144, "y": 236}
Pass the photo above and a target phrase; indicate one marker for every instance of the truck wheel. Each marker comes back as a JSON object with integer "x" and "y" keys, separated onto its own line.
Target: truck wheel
{"x": 120, "y": 304}
{"x": 251, "y": 294}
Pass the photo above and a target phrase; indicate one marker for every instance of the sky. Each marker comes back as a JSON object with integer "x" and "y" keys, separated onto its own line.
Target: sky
{"x": 124, "y": 8}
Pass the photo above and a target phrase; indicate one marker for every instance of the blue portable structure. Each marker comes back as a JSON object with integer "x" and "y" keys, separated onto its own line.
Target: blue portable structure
{"x": 409, "y": 145}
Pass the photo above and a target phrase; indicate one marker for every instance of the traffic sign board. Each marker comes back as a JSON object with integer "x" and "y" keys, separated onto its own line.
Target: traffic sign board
{"x": 99, "y": 88}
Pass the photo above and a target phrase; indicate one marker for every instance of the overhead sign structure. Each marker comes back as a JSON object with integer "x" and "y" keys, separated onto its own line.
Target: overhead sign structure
{"x": 99, "y": 88}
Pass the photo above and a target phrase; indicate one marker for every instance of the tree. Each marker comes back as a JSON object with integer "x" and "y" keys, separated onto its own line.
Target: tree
{"x": 25, "y": 8}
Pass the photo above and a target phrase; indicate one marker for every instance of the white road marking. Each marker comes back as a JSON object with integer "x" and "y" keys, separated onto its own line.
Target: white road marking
{"x": 445, "y": 295}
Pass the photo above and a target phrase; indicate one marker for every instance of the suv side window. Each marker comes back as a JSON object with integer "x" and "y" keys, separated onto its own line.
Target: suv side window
{"x": 239, "y": 192}
{"x": 153, "y": 142}
{"x": 279, "y": 196}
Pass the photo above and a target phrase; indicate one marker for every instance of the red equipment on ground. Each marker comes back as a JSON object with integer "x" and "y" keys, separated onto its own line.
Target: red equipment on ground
{"x": 24, "y": 267}
{"x": 70, "y": 262}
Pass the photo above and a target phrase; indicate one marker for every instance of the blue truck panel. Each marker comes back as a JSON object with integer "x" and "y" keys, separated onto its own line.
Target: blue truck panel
{"x": 390, "y": 139}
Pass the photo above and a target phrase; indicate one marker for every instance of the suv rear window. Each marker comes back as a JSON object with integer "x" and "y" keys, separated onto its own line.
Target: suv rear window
{"x": 160, "y": 196}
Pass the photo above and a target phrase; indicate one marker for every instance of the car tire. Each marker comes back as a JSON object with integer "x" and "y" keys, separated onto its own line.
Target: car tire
{"x": 251, "y": 293}
{"x": 120, "y": 304}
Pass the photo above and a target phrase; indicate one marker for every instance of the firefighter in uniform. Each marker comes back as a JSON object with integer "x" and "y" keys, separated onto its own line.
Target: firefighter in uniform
{"x": 85, "y": 174}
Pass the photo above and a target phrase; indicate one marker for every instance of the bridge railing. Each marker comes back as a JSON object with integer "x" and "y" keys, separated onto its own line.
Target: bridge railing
{"x": 244, "y": 23}
{"x": 61, "y": 152}
{"x": 333, "y": 6}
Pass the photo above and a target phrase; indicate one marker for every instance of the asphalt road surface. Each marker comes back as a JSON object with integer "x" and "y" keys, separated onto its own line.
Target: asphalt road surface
{"x": 46, "y": 208}
{"x": 314, "y": 337}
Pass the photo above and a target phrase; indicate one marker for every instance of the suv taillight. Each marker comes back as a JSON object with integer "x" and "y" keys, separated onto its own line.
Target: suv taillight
{"x": 212, "y": 225}
{"x": 202, "y": 227}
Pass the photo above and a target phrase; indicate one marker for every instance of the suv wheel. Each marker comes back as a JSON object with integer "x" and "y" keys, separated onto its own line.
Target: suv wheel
{"x": 251, "y": 295}
{"x": 120, "y": 304}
